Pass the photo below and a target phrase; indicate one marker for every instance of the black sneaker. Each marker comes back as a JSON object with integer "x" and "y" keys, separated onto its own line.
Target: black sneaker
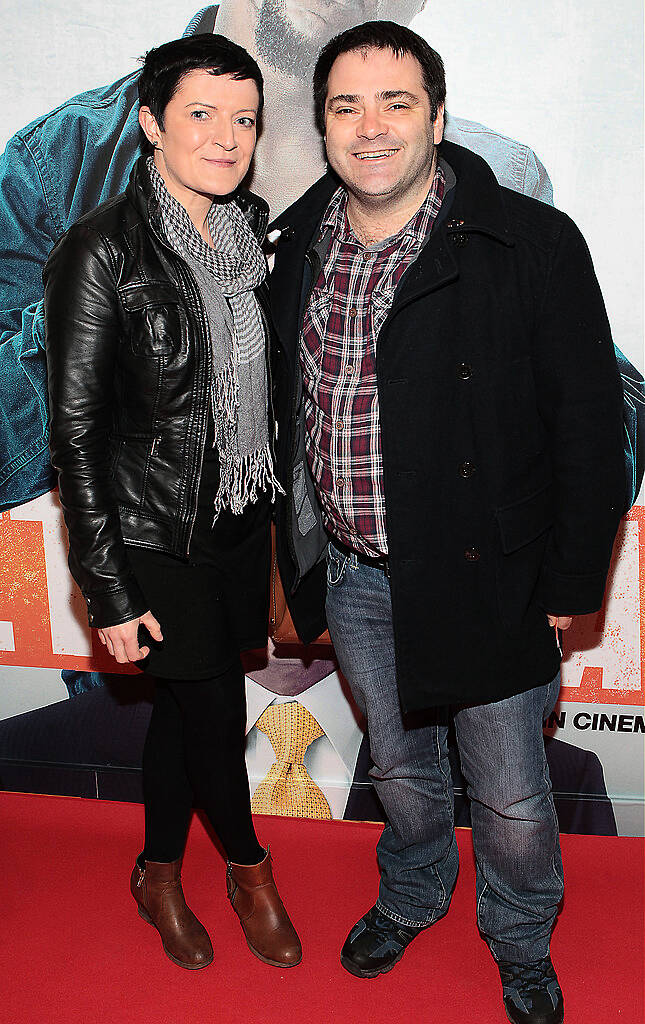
{"x": 375, "y": 944}
{"x": 532, "y": 994}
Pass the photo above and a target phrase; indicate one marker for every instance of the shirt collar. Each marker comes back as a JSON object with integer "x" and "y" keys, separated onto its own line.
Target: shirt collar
{"x": 336, "y": 212}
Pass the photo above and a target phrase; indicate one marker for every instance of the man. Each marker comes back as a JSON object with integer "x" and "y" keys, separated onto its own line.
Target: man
{"x": 450, "y": 422}
{"x": 64, "y": 164}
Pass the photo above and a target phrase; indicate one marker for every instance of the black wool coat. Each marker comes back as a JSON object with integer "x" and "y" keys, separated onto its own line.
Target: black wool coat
{"x": 501, "y": 423}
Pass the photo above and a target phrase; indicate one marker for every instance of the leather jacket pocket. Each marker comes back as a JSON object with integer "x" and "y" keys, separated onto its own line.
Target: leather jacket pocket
{"x": 131, "y": 460}
{"x": 154, "y": 319}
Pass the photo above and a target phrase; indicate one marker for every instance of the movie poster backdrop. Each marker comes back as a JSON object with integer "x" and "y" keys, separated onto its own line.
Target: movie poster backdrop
{"x": 551, "y": 97}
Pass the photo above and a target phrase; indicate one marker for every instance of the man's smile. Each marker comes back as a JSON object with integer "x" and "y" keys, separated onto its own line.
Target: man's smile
{"x": 376, "y": 154}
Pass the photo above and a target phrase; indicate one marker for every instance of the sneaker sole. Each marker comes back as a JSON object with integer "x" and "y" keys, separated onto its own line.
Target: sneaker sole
{"x": 361, "y": 973}
{"x": 558, "y": 1020}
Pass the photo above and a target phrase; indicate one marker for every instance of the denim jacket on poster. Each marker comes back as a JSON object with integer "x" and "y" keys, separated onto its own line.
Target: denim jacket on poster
{"x": 62, "y": 166}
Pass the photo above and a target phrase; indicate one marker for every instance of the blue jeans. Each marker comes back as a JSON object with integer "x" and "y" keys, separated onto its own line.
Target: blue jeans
{"x": 501, "y": 748}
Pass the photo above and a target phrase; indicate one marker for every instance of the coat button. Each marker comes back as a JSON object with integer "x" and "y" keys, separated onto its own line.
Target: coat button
{"x": 472, "y": 555}
{"x": 464, "y": 371}
{"x": 466, "y": 470}
{"x": 459, "y": 239}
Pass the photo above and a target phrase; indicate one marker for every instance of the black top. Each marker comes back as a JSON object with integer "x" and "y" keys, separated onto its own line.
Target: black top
{"x": 211, "y": 542}
{"x": 207, "y": 608}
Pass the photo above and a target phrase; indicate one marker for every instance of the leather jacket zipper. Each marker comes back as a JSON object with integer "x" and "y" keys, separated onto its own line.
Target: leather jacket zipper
{"x": 191, "y": 294}
{"x": 200, "y": 384}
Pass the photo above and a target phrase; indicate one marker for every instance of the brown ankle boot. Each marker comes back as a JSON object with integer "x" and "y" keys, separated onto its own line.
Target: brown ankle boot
{"x": 265, "y": 923}
{"x": 161, "y": 902}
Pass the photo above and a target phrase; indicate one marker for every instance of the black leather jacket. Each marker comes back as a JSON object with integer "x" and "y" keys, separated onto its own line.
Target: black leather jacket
{"x": 129, "y": 365}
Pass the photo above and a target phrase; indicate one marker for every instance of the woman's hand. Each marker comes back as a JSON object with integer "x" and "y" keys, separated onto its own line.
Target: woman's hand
{"x": 121, "y": 641}
{"x": 560, "y": 621}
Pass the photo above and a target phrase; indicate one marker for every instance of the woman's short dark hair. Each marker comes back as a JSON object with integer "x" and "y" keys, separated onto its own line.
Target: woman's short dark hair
{"x": 166, "y": 65}
{"x": 380, "y": 35}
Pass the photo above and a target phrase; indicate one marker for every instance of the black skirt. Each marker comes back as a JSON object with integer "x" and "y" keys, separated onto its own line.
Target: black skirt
{"x": 215, "y": 604}
{"x": 188, "y": 602}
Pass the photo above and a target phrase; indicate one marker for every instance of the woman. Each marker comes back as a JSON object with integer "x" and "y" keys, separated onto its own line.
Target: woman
{"x": 156, "y": 350}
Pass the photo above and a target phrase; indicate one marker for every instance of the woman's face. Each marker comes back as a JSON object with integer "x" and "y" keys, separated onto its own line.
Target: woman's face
{"x": 209, "y": 134}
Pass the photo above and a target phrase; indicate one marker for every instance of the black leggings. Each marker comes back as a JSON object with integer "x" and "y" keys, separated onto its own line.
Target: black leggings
{"x": 194, "y": 752}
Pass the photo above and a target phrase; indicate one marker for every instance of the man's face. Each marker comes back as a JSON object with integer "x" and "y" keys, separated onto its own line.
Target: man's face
{"x": 290, "y": 33}
{"x": 379, "y": 132}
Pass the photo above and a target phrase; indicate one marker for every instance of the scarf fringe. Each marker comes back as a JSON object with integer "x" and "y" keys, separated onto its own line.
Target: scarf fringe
{"x": 241, "y": 480}
{"x": 241, "y": 476}
{"x": 225, "y": 400}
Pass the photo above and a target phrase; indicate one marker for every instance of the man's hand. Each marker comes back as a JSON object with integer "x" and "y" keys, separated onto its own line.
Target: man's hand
{"x": 560, "y": 621}
{"x": 121, "y": 641}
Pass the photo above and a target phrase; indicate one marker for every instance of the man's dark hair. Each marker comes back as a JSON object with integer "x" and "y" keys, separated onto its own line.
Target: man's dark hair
{"x": 380, "y": 35}
{"x": 166, "y": 65}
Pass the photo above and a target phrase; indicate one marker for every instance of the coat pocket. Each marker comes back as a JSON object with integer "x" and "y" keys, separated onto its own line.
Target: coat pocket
{"x": 524, "y": 533}
{"x": 524, "y": 520}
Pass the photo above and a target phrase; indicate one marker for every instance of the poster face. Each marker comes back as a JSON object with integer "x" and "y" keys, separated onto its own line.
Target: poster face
{"x": 551, "y": 98}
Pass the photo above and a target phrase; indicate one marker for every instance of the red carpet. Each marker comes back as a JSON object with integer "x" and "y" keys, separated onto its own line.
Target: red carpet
{"x": 74, "y": 949}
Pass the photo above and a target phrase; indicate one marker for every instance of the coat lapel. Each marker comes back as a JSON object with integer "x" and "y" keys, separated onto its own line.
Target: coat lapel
{"x": 286, "y": 286}
{"x": 434, "y": 267}
{"x": 297, "y": 227}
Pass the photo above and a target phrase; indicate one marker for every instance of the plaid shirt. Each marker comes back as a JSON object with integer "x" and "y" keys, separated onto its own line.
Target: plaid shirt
{"x": 346, "y": 311}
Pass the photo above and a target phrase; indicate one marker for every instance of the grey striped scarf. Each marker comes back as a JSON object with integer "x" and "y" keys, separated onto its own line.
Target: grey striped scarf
{"x": 239, "y": 382}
